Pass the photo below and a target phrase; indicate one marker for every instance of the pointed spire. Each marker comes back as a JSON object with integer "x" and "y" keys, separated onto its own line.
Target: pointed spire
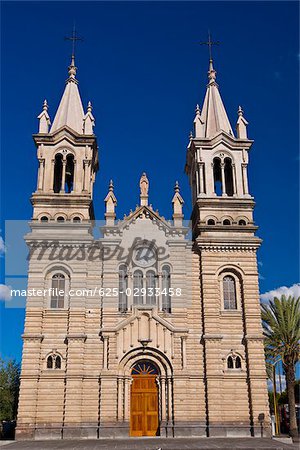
{"x": 70, "y": 111}
{"x": 213, "y": 116}
{"x": 88, "y": 120}
{"x": 44, "y": 119}
{"x": 177, "y": 202}
{"x": 110, "y": 204}
{"x": 241, "y": 125}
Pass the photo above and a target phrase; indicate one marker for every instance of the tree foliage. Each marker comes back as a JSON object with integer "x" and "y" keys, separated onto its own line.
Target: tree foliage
{"x": 9, "y": 389}
{"x": 281, "y": 323}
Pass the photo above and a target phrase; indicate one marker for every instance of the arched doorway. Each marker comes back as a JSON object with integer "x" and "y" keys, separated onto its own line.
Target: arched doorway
{"x": 144, "y": 399}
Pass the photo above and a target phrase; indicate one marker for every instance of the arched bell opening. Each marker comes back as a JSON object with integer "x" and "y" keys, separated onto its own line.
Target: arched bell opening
{"x": 58, "y": 169}
{"x": 217, "y": 176}
{"x": 69, "y": 185}
{"x": 228, "y": 172}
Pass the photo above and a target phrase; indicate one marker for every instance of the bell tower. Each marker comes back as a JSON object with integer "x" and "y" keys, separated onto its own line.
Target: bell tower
{"x": 216, "y": 164}
{"x": 225, "y": 241}
{"x": 68, "y": 158}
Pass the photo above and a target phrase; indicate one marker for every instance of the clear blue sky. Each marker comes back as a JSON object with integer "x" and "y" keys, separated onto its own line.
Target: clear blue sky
{"x": 142, "y": 67}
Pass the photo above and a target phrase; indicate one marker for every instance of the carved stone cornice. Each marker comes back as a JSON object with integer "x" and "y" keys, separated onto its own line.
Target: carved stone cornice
{"x": 207, "y": 247}
{"x": 32, "y": 337}
{"x": 254, "y": 337}
{"x": 212, "y": 337}
{"x": 76, "y": 337}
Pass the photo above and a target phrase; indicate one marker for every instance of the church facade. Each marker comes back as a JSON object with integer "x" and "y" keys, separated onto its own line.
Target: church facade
{"x": 150, "y": 329}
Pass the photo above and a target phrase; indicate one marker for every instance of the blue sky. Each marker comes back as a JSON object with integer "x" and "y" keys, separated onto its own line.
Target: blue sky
{"x": 142, "y": 67}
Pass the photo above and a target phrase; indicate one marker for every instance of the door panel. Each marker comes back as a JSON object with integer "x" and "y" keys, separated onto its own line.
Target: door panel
{"x": 144, "y": 406}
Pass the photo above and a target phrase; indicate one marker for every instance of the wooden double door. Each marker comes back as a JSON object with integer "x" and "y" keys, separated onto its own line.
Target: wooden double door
{"x": 144, "y": 406}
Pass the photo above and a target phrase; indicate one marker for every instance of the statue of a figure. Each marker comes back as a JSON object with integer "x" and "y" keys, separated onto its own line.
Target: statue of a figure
{"x": 144, "y": 184}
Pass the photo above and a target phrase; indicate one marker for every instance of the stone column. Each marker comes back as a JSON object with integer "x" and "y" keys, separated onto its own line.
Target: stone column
{"x": 201, "y": 176}
{"x": 120, "y": 398}
{"x": 170, "y": 401}
{"x": 74, "y": 177}
{"x": 183, "y": 351}
{"x": 52, "y": 175}
{"x": 197, "y": 181}
{"x": 245, "y": 179}
{"x": 63, "y": 178}
{"x": 212, "y": 180}
{"x": 126, "y": 398}
{"x": 105, "y": 352}
{"x": 234, "y": 179}
{"x": 41, "y": 175}
{"x": 223, "y": 179}
{"x": 86, "y": 173}
{"x": 163, "y": 399}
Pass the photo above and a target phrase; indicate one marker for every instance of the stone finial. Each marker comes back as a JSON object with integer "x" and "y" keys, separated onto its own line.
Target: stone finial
{"x": 212, "y": 74}
{"x": 241, "y": 125}
{"x": 177, "y": 202}
{"x": 110, "y": 204}
{"x": 144, "y": 189}
{"x": 72, "y": 69}
{"x": 44, "y": 119}
{"x": 198, "y": 123}
{"x": 88, "y": 120}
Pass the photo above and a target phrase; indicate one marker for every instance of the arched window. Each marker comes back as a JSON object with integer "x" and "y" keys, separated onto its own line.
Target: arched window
{"x": 54, "y": 361}
{"x": 76, "y": 219}
{"x": 230, "y": 362}
{"x": 234, "y": 361}
{"x": 166, "y": 284}
{"x": 242, "y": 222}
{"x": 44, "y": 219}
{"x": 123, "y": 285}
{"x": 226, "y": 222}
{"x": 69, "y": 174}
{"x": 228, "y": 177}
{"x": 57, "y": 173}
{"x": 217, "y": 176}
{"x": 144, "y": 367}
{"x": 238, "y": 362}
{"x": 137, "y": 287}
{"x": 229, "y": 292}
{"x": 211, "y": 222}
{"x": 57, "y": 362}
{"x": 58, "y": 291}
{"x": 60, "y": 219}
{"x": 50, "y": 362}
{"x": 150, "y": 287}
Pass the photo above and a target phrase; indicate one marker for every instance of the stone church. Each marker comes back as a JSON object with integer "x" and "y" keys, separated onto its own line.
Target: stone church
{"x": 152, "y": 328}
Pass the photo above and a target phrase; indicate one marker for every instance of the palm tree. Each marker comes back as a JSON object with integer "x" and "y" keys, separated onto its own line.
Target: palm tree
{"x": 281, "y": 323}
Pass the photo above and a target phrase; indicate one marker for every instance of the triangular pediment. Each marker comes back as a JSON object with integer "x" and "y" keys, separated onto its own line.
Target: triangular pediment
{"x": 138, "y": 312}
{"x": 222, "y": 137}
{"x": 63, "y": 133}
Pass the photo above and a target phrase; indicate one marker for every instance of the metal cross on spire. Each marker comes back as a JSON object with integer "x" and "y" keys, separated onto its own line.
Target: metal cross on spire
{"x": 210, "y": 43}
{"x": 74, "y": 38}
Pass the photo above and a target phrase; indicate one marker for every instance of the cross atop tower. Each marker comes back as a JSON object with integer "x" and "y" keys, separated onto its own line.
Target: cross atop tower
{"x": 210, "y": 43}
{"x": 74, "y": 38}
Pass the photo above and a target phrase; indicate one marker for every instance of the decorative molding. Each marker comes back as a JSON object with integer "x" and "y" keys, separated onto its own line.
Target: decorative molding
{"x": 76, "y": 337}
{"x": 32, "y": 337}
{"x": 212, "y": 337}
